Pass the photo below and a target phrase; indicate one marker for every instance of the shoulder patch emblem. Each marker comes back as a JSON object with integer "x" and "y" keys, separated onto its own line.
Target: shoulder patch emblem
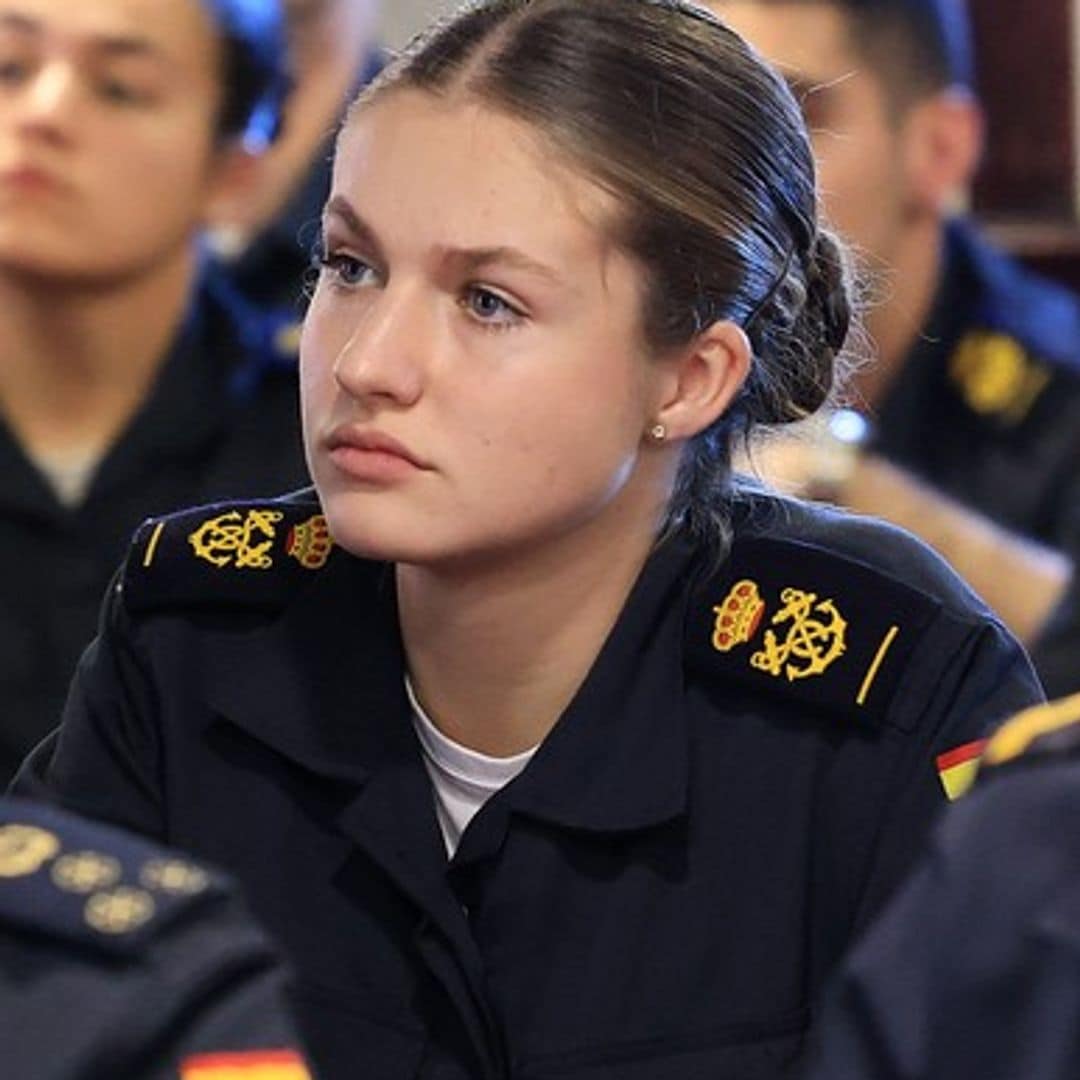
{"x": 837, "y": 634}
{"x": 996, "y": 376}
{"x": 244, "y": 555}
{"x": 958, "y": 767}
{"x": 1042, "y": 730}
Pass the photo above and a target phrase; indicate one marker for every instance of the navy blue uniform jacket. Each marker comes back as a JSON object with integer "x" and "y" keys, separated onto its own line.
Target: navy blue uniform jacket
{"x": 743, "y": 776}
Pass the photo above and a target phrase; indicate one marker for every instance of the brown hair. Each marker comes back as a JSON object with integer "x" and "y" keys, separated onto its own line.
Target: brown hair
{"x": 705, "y": 149}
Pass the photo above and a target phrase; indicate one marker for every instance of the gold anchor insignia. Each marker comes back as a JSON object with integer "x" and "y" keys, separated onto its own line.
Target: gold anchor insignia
{"x": 174, "y": 876}
{"x": 85, "y": 871}
{"x": 24, "y": 849}
{"x": 119, "y": 911}
{"x": 812, "y": 643}
{"x": 230, "y": 538}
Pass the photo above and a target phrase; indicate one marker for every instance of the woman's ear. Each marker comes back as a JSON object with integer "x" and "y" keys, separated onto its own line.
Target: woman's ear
{"x": 702, "y": 379}
{"x": 234, "y": 177}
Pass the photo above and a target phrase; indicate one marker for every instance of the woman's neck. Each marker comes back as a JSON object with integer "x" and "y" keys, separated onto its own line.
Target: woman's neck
{"x": 496, "y": 653}
{"x": 78, "y": 359}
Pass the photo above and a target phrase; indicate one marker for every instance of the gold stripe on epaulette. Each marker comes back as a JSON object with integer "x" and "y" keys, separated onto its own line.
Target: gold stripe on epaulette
{"x": 151, "y": 547}
{"x": 1017, "y": 734}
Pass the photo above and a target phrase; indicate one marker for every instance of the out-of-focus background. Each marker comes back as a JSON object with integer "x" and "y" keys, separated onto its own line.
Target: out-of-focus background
{"x": 402, "y": 18}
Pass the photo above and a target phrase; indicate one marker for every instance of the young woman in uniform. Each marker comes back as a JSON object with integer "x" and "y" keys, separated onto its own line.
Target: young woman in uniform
{"x": 543, "y": 747}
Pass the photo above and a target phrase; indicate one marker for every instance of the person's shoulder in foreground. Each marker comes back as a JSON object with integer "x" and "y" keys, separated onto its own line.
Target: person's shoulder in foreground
{"x": 122, "y": 959}
{"x": 974, "y": 970}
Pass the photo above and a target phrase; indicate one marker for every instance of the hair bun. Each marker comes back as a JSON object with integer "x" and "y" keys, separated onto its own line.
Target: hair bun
{"x": 827, "y": 290}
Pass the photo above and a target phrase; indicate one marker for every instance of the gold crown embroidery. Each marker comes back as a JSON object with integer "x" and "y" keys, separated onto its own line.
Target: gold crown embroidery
{"x": 119, "y": 911}
{"x": 738, "y": 616}
{"x": 309, "y": 542}
{"x": 232, "y": 539}
{"x": 85, "y": 872}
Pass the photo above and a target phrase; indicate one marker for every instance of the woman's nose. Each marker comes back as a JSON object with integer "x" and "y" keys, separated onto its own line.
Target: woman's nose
{"x": 387, "y": 349}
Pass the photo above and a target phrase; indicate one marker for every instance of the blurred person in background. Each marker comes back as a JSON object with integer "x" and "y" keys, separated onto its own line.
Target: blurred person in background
{"x": 266, "y": 235}
{"x": 120, "y": 960}
{"x": 127, "y": 386}
{"x": 972, "y": 392}
{"x": 974, "y": 970}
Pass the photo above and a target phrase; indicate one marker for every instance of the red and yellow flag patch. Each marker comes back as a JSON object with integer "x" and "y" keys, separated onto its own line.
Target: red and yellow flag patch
{"x": 246, "y": 1065}
{"x": 957, "y": 768}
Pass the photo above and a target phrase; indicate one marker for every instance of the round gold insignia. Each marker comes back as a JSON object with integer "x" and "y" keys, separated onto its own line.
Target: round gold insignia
{"x": 120, "y": 910}
{"x": 174, "y": 876}
{"x": 85, "y": 871}
{"x": 24, "y": 849}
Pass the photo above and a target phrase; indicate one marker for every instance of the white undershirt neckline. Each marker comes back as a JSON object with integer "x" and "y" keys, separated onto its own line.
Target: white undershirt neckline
{"x": 462, "y": 779}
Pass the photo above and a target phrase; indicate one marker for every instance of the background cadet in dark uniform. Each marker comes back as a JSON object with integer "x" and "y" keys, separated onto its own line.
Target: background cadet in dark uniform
{"x": 974, "y": 970}
{"x": 267, "y": 237}
{"x": 974, "y": 386}
{"x": 678, "y": 742}
{"x": 131, "y": 383}
{"x": 121, "y": 959}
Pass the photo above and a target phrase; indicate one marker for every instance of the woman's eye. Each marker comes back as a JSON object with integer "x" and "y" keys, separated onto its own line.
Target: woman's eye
{"x": 490, "y": 308}
{"x": 346, "y": 269}
{"x": 12, "y": 71}
{"x": 120, "y": 93}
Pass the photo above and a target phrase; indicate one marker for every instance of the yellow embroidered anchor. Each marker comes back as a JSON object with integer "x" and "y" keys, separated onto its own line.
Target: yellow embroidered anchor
{"x": 228, "y": 539}
{"x": 812, "y": 643}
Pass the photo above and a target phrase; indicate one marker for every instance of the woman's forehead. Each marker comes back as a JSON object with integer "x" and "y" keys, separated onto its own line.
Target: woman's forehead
{"x": 411, "y": 149}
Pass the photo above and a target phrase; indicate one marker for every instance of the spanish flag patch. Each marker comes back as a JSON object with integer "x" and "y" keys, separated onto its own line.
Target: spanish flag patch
{"x": 246, "y": 1065}
{"x": 957, "y": 768}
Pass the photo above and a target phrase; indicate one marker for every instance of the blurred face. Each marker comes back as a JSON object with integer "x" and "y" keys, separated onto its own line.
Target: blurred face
{"x": 107, "y": 111}
{"x": 858, "y": 144}
{"x": 472, "y": 372}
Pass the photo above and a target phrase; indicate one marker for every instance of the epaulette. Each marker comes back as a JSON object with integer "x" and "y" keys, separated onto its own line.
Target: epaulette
{"x": 1036, "y": 734}
{"x": 804, "y": 622}
{"x": 249, "y": 554}
{"x": 62, "y": 877}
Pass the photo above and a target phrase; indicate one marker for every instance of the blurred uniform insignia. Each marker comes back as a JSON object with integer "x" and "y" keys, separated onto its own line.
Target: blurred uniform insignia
{"x": 174, "y": 876}
{"x": 840, "y": 638}
{"x": 81, "y": 881}
{"x": 286, "y": 340}
{"x": 248, "y": 1065}
{"x": 996, "y": 376}
{"x": 24, "y": 849}
{"x": 184, "y": 559}
{"x": 85, "y": 871}
{"x": 120, "y": 910}
{"x": 243, "y": 541}
{"x": 1038, "y": 733}
{"x": 958, "y": 767}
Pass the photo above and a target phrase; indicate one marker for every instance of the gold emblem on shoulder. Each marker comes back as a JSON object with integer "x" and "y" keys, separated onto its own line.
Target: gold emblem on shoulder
{"x": 738, "y": 616}
{"x": 174, "y": 876}
{"x": 309, "y": 542}
{"x": 233, "y": 539}
{"x": 815, "y": 639}
{"x": 120, "y": 910}
{"x": 996, "y": 376}
{"x": 85, "y": 871}
{"x": 24, "y": 849}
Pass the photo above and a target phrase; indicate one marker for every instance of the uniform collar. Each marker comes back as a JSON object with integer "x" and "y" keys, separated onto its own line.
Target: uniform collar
{"x": 323, "y": 684}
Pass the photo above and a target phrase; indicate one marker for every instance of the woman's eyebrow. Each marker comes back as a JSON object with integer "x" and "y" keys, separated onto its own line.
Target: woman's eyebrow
{"x": 465, "y": 259}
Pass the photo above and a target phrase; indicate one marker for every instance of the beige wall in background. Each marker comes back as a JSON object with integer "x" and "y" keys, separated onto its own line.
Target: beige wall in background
{"x": 402, "y": 18}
